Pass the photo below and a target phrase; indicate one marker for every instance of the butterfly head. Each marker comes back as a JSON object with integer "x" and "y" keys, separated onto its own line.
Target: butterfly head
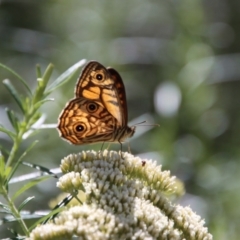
{"x": 125, "y": 132}
{"x": 131, "y": 131}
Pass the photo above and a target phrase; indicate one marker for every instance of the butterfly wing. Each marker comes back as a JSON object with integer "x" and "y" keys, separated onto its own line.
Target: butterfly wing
{"x": 105, "y": 86}
{"x": 121, "y": 95}
{"x": 92, "y": 79}
{"x": 86, "y": 121}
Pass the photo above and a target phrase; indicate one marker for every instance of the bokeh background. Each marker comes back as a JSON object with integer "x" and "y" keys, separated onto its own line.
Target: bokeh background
{"x": 180, "y": 63}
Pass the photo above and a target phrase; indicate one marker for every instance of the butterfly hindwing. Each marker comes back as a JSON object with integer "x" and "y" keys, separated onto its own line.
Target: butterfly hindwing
{"x": 85, "y": 121}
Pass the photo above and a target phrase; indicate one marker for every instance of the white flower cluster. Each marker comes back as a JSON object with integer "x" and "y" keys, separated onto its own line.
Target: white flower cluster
{"x": 125, "y": 199}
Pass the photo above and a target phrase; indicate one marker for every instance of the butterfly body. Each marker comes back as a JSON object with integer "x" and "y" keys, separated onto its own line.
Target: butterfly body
{"x": 98, "y": 113}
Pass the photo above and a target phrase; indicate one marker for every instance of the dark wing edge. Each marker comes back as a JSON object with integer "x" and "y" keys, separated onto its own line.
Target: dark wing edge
{"x": 121, "y": 94}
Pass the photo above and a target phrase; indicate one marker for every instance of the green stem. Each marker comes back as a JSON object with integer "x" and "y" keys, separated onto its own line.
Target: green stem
{"x": 18, "y": 139}
{"x": 15, "y": 146}
{"x": 15, "y": 212}
{"x": 13, "y": 152}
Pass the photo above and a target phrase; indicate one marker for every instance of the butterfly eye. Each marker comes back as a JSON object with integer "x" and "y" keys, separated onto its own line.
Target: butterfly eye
{"x": 92, "y": 107}
{"x": 99, "y": 76}
{"x": 79, "y": 128}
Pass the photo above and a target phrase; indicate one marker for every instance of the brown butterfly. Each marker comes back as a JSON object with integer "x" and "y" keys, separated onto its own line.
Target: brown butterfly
{"x": 98, "y": 113}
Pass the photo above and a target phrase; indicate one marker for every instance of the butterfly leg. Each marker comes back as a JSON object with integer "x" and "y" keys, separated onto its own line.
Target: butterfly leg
{"x": 109, "y": 144}
{"x": 102, "y": 146}
{"x": 129, "y": 148}
{"x": 121, "y": 150}
{"x": 101, "y": 150}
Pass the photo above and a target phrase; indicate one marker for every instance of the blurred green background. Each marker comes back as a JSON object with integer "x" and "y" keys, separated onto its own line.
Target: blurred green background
{"x": 180, "y": 63}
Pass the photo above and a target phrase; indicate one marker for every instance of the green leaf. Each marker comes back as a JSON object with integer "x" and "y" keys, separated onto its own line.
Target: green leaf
{"x": 47, "y": 74}
{"x": 7, "y": 172}
{"x": 12, "y": 118}
{"x": 20, "y": 159}
{"x": 8, "y": 132}
{"x": 34, "y": 116}
{"x": 66, "y": 76}
{"x": 61, "y": 204}
{"x": 40, "y": 168}
{"x": 45, "y": 218}
{"x": 38, "y": 71}
{"x": 42, "y": 83}
{"x": 5, "y": 208}
{"x": 25, "y": 215}
{"x": 24, "y": 203}
{"x": 4, "y": 150}
{"x": 29, "y": 185}
{"x": 18, "y": 76}
{"x": 2, "y": 163}
{"x": 4, "y": 171}
{"x": 40, "y": 103}
{"x": 3, "y": 174}
{"x": 14, "y": 93}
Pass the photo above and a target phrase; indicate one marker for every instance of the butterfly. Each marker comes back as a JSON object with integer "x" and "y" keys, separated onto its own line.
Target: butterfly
{"x": 98, "y": 113}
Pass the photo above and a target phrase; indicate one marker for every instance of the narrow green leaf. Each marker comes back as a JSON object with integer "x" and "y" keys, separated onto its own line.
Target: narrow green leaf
{"x": 14, "y": 93}
{"x": 40, "y": 168}
{"x": 38, "y": 71}
{"x": 12, "y": 118}
{"x": 7, "y": 172}
{"x": 29, "y": 185}
{"x": 42, "y": 83}
{"x": 2, "y": 163}
{"x": 45, "y": 218}
{"x": 35, "y": 115}
{"x": 66, "y": 76}
{"x": 47, "y": 74}
{"x": 18, "y": 76}
{"x": 8, "y": 132}
{"x": 40, "y": 103}
{"x": 4, "y": 150}
{"x": 26, "y": 215}
{"x": 61, "y": 204}
{"x": 4, "y": 172}
{"x": 24, "y": 203}
{"x": 30, "y": 133}
{"x": 20, "y": 159}
{"x": 5, "y": 208}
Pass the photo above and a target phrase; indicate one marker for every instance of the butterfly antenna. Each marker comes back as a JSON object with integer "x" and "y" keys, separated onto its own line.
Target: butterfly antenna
{"x": 141, "y": 124}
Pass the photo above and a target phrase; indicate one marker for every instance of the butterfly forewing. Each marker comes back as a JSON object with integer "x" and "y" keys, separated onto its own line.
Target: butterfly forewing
{"x": 104, "y": 85}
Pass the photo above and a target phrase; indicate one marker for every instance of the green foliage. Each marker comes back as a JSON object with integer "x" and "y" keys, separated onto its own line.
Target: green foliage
{"x": 29, "y": 105}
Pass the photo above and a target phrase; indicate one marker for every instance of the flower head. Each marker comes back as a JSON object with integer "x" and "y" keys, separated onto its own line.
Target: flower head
{"x": 125, "y": 199}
